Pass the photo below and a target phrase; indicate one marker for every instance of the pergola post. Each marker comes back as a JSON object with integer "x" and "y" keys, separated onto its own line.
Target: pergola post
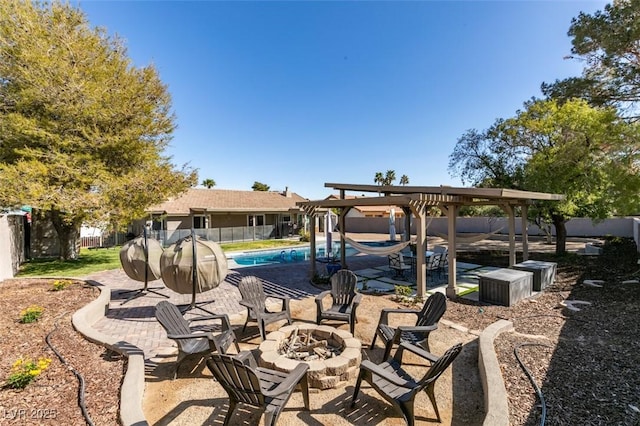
{"x": 525, "y": 233}
{"x": 341, "y": 225}
{"x": 407, "y": 223}
{"x": 452, "y": 214}
{"x": 420, "y": 212}
{"x": 508, "y": 208}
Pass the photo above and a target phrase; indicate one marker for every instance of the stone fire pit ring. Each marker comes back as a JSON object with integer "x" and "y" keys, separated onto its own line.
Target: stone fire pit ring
{"x": 322, "y": 374}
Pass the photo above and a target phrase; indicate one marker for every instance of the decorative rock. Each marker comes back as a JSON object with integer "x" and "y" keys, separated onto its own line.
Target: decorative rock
{"x": 336, "y": 366}
{"x": 353, "y": 355}
{"x": 571, "y": 304}
{"x": 352, "y": 343}
{"x": 285, "y": 364}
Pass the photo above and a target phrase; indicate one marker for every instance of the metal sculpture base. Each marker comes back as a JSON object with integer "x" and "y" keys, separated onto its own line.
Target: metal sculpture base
{"x": 195, "y": 305}
{"x": 142, "y": 292}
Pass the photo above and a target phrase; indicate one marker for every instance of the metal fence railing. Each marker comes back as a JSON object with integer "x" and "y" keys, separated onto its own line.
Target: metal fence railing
{"x": 219, "y": 235}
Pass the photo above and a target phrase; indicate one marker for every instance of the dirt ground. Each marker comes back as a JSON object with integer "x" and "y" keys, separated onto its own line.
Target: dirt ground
{"x": 195, "y": 398}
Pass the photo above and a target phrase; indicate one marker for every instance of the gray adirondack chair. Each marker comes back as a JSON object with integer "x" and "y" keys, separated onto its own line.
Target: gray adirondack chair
{"x": 254, "y": 299}
{"x": 397, "y": 386}
{"x": 427, "y": 321}
{"x": 344, "y": 299}
{"x": 266, "y": 389}
{"x": 192, "y": 342}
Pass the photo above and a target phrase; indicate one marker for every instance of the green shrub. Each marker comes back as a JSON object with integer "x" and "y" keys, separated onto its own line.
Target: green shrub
{"x": 31, "y": 314}
{"x": 403, "y": 290}
{"x": 305, "y": 236}
{"x": 24, "y": 371}
{"x": 60, "y": 285}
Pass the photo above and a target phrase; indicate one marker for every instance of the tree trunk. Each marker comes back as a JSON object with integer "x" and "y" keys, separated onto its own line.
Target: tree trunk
{"x": 68, "y": 230}
{"x": 561, "y": 233}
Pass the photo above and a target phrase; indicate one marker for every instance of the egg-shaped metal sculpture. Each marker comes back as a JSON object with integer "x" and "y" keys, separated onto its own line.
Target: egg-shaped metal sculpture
{"x": 193, "y": 265}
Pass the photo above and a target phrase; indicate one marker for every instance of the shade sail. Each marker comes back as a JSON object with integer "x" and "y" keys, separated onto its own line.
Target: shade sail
{"x": 132, "y": 259}
{"x": 177, "y": 263}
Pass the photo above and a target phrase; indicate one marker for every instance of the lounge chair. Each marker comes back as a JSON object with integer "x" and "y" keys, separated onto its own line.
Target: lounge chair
{"x": 259, "y": 387}
{"x": 193, "y": 342}
{"x": 427, "y": 321}
{"x": 254, "y": 299}
{"x": 344, "y": 299}
{"x": 397, "y": 386}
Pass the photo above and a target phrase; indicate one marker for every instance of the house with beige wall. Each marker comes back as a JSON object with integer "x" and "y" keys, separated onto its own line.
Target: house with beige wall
{"x": 206, "y": 209}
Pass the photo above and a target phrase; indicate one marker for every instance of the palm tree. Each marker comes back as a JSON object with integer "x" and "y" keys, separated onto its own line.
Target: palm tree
{"x": 404, "y": 180}
{"x": 379, "y": 179}
{"x": 389, "y": 177}
{"x": 209, "y": 183}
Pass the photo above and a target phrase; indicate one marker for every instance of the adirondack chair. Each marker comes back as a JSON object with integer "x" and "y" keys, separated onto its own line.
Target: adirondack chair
{"x": 259, "y": 387}
{"x": 397, "y": 386}
{"x": 192, "y": 342}
{"x": 254, "y": 299}
{"x": 345, "y": 299}
{"x": 427, "y": 321}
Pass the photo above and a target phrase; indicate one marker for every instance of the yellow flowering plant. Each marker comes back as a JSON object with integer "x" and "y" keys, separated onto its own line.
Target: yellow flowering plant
{"x": 60, "y": 285}
{"x": 24, "y": 371}
{"x": 31, "y": 314}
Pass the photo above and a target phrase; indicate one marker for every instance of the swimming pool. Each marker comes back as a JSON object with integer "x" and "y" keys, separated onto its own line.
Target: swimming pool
{"x": 290, "y": 255}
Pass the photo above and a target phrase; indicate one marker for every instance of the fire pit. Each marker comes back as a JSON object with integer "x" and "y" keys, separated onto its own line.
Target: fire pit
{"x": 333, "y": 355}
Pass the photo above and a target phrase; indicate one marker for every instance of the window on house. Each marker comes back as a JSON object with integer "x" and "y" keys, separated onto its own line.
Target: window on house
{"x": 199, "y": 222}
{"x": 158, "y": 223}
{"x": 255, "y": 220}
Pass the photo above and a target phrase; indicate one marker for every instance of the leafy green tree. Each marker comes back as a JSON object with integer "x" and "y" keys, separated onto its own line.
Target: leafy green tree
{"x": 259, "y": 186}
{"x": 404, "y": 180}
{"x": 82, "y": 131}
{"x": 588, "y": 154}
{"x": 208, "y": 183}
{"x": 608, "y": 43}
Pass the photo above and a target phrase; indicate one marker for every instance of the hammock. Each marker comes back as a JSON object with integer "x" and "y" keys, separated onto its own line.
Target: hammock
{"x": 473, "y": 238}
{"x": 377, "y": 251}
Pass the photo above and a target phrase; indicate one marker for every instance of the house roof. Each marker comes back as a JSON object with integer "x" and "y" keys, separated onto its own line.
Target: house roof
{"x": 224, "y": 200}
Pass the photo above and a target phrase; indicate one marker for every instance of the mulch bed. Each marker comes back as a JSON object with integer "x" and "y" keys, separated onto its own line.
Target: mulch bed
{"x": 53, "y": 397}
{"x": 585, "y": 363}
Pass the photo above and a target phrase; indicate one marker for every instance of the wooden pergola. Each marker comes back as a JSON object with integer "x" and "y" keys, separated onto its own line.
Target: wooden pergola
{"x": 416, "y": 201}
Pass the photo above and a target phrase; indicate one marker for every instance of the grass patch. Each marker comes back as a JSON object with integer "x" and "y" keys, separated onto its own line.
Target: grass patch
{"x": 88, "y": 262}
{"x": 97, "y": 260}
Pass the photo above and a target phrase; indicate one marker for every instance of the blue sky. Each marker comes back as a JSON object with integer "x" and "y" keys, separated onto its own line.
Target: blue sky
{"x": 296, "y": 94}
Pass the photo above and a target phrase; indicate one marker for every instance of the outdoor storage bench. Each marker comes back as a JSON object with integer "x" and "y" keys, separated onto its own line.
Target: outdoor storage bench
{"x": 505, "y": 286}
{"x": 544, "y": 273}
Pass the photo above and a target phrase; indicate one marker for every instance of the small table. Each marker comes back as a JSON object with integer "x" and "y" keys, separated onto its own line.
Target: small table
{"x": 544, "y": 273}
{"x": 413, "y": 260}
{"x": 505, "y": 286}
{"x": 332, "y": 264}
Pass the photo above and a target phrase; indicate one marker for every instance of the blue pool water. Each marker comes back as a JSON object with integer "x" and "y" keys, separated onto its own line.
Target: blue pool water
{"x": 291, "y": 255}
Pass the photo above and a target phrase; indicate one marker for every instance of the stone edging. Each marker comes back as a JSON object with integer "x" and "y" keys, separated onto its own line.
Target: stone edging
{"x": 132, "y": 389}
{"x": 496, "y": 404}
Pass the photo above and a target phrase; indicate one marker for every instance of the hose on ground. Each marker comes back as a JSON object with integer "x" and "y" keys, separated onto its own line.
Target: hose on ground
{"x": 536, "y": 388}
{"x": 81, "y": 400}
